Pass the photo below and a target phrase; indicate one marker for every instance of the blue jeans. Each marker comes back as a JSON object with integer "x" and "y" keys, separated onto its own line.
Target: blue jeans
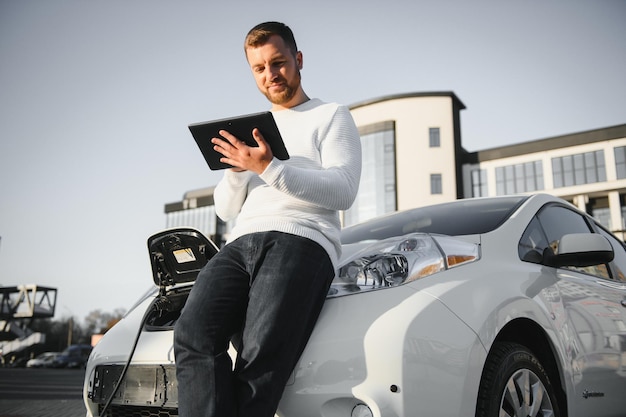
{"x": 266, "y": 288}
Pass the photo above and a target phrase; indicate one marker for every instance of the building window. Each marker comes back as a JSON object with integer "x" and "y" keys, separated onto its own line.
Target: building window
{"x": 622, "y": 204}
{"x": 519, "y": 178}
{"x": 620, "y": 162}
{"x": 479, "y": 183}
{"x": 583, "y": 168}
{"x": 433, "y": 134}
{"x": 599, "y": 209}
{"x": 435, "y": 184}
{"x": 201, "y": 218}
{"x": 377, "y": 189}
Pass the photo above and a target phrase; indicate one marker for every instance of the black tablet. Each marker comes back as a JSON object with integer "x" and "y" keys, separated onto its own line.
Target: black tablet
{"x": 241, "y": 127}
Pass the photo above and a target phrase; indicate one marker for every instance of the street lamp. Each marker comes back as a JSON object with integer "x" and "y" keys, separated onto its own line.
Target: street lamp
{"x": 70, "y": 326}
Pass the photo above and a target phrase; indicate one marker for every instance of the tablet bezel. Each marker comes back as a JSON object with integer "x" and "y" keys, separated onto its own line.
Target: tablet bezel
{"x": 241, "y": 127}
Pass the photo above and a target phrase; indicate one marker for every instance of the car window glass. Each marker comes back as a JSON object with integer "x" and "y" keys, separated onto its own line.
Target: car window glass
{"x": 461, "y": 217}
{"x": 532, "y": 243}
{"x": 557, "y": 221}
{"x": 619, "y": 262}
{"x": 600, "y": 271}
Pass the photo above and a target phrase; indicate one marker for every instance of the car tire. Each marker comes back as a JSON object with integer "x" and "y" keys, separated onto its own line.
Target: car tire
{"x": 514, "y": 383}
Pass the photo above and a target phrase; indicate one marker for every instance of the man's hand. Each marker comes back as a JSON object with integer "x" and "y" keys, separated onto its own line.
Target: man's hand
{"x": 241, "y": 156}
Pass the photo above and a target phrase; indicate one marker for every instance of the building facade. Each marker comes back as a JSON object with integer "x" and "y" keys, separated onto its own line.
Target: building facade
{"x": 413, "y": 156}
{"x": 587, "y": 169}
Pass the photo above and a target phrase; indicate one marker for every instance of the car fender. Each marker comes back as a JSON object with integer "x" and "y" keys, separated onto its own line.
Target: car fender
{"x": 528, "y": 293}
{"x": 439, "y": 350}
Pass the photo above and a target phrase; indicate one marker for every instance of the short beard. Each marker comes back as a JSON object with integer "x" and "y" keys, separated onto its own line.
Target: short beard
{"x": 284, "y": 96}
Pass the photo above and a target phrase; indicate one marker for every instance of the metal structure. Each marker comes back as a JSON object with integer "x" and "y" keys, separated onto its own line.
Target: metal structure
{"x": 27, "y": 301}
{"x": 19, "y": 305}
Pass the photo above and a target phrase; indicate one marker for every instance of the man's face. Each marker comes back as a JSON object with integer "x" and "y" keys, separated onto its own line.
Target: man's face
{"x": 276, "y": 71}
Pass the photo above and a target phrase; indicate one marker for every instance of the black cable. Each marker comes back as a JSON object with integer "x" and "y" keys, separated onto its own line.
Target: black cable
{"x": 154, "y": 306}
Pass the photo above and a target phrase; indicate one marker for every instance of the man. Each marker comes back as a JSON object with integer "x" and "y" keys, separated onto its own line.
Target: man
{"x": 269, "y": 282}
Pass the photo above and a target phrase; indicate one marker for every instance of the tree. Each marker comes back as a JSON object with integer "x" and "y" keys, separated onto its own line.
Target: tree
{"x": 65, "y": 331}
{"x": 99, "y": 322}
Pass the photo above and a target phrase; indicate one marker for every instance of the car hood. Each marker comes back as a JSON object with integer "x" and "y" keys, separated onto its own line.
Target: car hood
{"x": 177, "y": 255}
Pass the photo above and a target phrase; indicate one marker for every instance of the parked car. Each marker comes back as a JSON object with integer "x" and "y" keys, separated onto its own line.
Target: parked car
{"x": 74, "y": 356}
{"x": 43, "y": 360}
{"x": 505, "y": 306}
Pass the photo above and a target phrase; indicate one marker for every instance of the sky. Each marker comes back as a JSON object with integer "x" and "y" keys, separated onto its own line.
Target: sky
{"x": 96, "y": 97}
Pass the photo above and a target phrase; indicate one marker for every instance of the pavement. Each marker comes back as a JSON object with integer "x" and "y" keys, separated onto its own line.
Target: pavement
{"x": 41, "y": 392}
{"x": 42, "y": 408}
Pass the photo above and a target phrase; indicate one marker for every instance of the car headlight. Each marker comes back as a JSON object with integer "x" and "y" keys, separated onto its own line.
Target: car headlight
{"x": 399, "y": 260}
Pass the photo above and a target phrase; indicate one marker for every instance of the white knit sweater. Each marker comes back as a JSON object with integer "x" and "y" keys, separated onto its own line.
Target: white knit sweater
{"x": 303, "y": 194}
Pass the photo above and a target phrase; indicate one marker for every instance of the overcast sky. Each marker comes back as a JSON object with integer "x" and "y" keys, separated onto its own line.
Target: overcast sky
{"x": 96, "y": 96}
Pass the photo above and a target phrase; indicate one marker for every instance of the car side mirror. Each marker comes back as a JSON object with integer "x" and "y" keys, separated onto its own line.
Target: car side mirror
{"x": 580, "y": 249}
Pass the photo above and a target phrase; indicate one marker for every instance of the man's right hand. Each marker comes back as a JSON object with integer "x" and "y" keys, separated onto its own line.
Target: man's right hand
{"x": 241, "y": 156}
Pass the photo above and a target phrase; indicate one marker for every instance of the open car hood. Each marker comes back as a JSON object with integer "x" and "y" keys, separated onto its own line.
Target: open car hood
{"x": 177, "y": 255}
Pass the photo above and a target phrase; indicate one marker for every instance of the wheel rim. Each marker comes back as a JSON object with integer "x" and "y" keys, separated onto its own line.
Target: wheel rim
{"x": 525, "y": 396}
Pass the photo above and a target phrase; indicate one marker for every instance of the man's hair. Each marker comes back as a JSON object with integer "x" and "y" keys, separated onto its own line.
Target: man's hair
{"x": 259, "y": 35}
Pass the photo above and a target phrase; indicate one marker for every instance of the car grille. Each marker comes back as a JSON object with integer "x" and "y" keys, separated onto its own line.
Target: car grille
{"x": 144, "y": 387}
{"x": 131, "y": 411}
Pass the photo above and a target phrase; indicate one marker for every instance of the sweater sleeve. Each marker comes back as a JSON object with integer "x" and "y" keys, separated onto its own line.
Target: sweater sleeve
{"x": 335, "y": 185}
{"x": 230, "y": 194}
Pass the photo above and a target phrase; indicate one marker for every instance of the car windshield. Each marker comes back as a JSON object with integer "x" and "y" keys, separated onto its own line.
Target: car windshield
{"x": 460, "y": 217}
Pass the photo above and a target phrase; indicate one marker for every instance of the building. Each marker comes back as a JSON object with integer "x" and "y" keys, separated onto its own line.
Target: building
{"x": 413, "y": 156}
{"x": 587, "y": 169}
{"x": 197, "y": 210}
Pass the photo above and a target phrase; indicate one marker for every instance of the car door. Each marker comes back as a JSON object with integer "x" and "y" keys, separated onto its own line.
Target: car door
{"x": 594, "y": 301}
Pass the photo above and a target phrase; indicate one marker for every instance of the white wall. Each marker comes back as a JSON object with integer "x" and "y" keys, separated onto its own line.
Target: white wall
{"x": 415, "y": 160}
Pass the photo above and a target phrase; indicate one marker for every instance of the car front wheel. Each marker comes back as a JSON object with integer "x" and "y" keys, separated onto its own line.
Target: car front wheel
{"x": 515, "y": 384}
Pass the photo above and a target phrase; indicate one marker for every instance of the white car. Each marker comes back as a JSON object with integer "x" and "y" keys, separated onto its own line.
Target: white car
{"x": 505, "y": 306}
{"x": 43, "y": 360}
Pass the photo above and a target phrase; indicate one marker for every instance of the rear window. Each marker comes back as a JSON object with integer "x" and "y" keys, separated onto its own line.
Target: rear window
{"x": 460, "y": 217}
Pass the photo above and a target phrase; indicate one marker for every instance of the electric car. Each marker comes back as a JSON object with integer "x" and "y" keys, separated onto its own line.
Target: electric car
{"x": 503, "y": 306}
